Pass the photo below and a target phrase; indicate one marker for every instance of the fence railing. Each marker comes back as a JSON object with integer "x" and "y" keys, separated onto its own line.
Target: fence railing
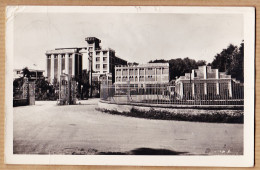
{"x": 199, "y": 95}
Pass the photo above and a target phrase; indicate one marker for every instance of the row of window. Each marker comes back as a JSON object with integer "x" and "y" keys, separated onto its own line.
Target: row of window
{"x": 134, "y": 76}
{"x": 98, "y": 52}
{"x": 98, "y": 66}
{"x": 56, "y": 56}
{"x": 104, "y": 59}
{"x": 131, "y": 69}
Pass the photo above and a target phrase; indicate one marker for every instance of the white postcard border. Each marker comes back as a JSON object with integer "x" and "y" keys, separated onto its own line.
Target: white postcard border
{"x": 226, "y": 161}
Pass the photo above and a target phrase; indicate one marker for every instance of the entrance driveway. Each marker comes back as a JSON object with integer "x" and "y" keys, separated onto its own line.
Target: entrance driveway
{"x": 46, "y": 128}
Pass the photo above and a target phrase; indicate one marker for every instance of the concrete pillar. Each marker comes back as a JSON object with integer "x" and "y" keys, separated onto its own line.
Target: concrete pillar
{"x": 205, "y": 72}
{"x": 217, "y": 84}
{"x": 193, "y": 88}
{"x": 59, "y": 67}
{"x": 230, "y": 88}
{"x": 161, "y": 74}
{"x": 155, "y": 74}
{"x": 217, "y": 88}
{"x": 144, "y": 74}
{"x": 138, "y": 74}
{"x": 181, "y": 90}
{"x": 73, "y": 64}
{"x": 52, "y": 68}
{"x": 67, "y": 63}
{"x": 134, "y": 74}
{"x": 46, "y": 68}
{"x": 192, "y": 74}
{"x": 217, "y": 74}
{"x": 205, "y": 89}
{"x": 121, "y": 79}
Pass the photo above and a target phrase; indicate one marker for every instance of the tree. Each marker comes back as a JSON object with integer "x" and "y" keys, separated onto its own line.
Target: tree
{"x": 178, "y": 67}
{"x": 26, "y": 72}
{"x": 231, "y": 61}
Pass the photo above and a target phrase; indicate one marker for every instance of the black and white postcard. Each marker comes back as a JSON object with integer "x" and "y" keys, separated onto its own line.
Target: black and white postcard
{"x": 149, "y": 86}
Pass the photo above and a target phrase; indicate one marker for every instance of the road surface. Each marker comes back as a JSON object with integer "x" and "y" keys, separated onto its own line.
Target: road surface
{"x": 46, "y": 128}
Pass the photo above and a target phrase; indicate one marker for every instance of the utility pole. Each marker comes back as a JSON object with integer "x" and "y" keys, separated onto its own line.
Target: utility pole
{"x": 91, "y": 70}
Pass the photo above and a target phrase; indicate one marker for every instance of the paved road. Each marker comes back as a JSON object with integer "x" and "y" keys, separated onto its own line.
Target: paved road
{"x": 50, "y": 129}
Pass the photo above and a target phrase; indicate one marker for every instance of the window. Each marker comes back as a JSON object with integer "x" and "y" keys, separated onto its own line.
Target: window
{"x": 55, "y": 56}
{"x": 104, "y": 52}
{"x": 98, "y": 53}
{"x": 105, "y": 59}
{"x": 48, "y": 56}
{"x": 97, "y": 66}
{"x": 105, "y": 66}
{"x": 98, "y": 59}
{"x": 165, "y": 71}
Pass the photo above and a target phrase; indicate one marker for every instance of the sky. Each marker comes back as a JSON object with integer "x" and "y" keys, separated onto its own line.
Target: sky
{"x": 136, "y": 37}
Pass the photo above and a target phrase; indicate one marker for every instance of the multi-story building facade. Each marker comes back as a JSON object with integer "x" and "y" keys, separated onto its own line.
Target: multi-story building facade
{"x": 66, "y": 61}
{"x": 208, "y": 82}
{"x": 99, "y": 64}
{"x": 142, "y": 76}
{"x": 34, "y": 74}
{"x": 102, "y": 62}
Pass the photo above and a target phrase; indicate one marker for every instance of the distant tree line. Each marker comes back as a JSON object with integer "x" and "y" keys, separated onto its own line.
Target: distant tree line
{"x": 229, "y": 60}
{"x": 178, "y": 67}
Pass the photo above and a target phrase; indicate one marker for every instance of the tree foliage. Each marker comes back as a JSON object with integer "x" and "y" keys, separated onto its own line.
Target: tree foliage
{"x": 26, "y": 72}
{"x": 231, "y": 61}
{"x": 178, "y": 67}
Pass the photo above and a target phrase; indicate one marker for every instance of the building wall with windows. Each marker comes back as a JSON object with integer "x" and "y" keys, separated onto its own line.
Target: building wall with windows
{"x": 206, "y": 81}
{"x": 102, "y": 61}
{"x": 142, "y": 75}
{"x": 35, "y": 74}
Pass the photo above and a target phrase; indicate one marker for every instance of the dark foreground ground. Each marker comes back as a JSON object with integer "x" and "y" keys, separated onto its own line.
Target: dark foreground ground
{"x": 80, "y": 129}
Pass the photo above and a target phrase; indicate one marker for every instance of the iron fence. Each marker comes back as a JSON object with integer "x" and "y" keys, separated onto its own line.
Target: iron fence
{"x": 197, "y": 94}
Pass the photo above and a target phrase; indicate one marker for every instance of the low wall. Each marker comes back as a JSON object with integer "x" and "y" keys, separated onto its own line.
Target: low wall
{"x": 173, "y": 113}
{"x": 20, "y": 102}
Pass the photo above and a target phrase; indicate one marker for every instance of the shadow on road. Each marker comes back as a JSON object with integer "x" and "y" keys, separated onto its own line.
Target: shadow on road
{"x": 145, "y": 151}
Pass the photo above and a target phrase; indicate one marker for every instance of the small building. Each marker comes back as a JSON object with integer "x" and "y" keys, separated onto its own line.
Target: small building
{"x": 208, "y": 83}
{"x": 142, "y": 76}
{"x": 34, "y": 74}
